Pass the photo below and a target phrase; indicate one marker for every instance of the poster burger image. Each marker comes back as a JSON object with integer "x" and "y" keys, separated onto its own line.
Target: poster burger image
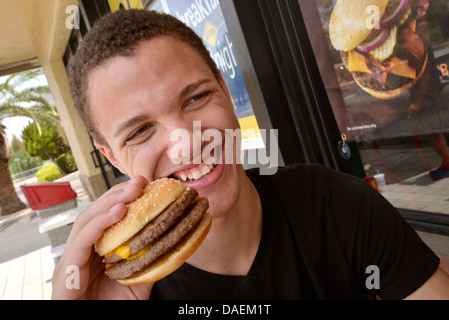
{"x": 389, "y": 58}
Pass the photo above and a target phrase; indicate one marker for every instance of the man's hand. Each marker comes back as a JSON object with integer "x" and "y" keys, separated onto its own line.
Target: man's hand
{"x": 80, "y": 255}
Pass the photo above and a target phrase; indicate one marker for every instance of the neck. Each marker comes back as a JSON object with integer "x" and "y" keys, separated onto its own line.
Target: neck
{"x": 233, "y": 241}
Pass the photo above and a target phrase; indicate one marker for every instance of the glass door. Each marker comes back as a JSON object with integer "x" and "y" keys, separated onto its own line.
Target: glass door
{"x": 385, "y": 71}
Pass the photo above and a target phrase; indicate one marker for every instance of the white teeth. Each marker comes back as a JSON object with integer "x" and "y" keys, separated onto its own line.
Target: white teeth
{"x": 197, "y": 175}
{"x": 205, "y": 170}
{"x": 211, "y": 162}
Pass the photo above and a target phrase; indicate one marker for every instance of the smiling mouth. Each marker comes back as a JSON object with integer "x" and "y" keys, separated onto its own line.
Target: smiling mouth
{"x": 194, "y": 174}
{"x": 199, "y": 172}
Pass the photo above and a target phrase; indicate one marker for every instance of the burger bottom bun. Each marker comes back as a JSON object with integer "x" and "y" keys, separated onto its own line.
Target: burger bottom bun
{"x": 175, "y": 258}
{"x": 387, "y": 95}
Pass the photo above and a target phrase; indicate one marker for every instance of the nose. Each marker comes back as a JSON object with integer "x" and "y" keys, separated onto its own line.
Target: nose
{"x": 184, "y": 142}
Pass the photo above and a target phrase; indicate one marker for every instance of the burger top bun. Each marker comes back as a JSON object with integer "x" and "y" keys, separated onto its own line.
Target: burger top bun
{"x": 347, "y": 27}
{"x": 155, "y": 198}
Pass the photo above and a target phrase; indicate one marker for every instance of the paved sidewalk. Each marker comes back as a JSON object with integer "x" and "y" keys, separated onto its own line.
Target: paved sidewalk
{"x": 420, "y": 193}
{"x": 34, "y": 284}
{"x": 29, "y": 277}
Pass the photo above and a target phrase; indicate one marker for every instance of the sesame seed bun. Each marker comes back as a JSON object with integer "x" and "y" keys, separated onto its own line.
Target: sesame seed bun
{"x": 155, "y": 198}
{"x": 347, "y": 27}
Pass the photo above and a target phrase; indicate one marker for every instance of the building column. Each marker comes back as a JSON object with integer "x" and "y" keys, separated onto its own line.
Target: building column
{"x": 50, "y": 37}
{"x": 77, "y": 135}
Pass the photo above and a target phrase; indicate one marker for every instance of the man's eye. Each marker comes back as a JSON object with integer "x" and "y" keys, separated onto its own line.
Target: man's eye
{"x": 196, "y": 98}
{"x": 199, "y": 97}
{"x": 140, "y": 133}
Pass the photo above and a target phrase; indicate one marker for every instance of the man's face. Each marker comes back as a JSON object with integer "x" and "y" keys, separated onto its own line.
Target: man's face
{"x": 137, "y": 102}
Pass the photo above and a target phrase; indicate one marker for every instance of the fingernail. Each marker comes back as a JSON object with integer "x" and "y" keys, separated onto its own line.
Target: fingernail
{"x": 113, "y": 208}
{"x": 132, "y": 180}
{"x": 128, "y": 187}
{"x": 131, "y": 183}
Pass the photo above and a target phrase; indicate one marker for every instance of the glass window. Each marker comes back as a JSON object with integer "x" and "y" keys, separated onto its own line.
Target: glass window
{"x": 206, "y": 19}
{"x": 387, "y": 85}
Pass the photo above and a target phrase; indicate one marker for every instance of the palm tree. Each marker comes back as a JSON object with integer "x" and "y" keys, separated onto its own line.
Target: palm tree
{"x": 9, "y": 201}
{"x": 16, "y": 100}
{"x": 19, "y": 101}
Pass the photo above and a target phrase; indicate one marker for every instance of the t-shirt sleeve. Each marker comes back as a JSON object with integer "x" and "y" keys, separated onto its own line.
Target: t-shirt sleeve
{"x": 373, "y": 233}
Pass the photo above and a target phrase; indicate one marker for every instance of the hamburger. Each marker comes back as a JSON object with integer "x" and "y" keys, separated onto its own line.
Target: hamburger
{"x": 160, "y": 230}
{"x": 389, "y": 58}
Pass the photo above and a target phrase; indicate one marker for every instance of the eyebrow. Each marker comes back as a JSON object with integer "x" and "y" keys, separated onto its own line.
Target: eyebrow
{"x": 143, "y": 117}
{"x": 192, "y": 87}
{"x": 130, "y": 122}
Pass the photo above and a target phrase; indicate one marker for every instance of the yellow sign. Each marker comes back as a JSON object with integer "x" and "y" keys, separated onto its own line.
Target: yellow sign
{"x": 125, "y": 4}
{"x": 250, "y": 128}
{"x": 211, "y": 33}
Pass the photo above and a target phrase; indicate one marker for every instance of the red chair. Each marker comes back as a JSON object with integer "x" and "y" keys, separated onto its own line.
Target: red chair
{"x": 44, "y": 195}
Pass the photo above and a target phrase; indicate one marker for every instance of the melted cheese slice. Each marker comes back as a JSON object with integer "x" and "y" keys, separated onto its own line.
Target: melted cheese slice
{"x": 401, "y": 68}
{"x": 357, "y": 62}
{"x": 123, "y": 251}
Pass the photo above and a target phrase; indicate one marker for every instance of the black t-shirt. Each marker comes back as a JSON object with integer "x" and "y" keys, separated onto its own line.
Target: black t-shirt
{"x": 321, "y": 230}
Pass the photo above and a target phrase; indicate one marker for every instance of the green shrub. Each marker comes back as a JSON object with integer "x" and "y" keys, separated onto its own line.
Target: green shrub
{"x": 67, "y": 163}
{"x": 48, "y": 174}
{"x": 21, "y": 161}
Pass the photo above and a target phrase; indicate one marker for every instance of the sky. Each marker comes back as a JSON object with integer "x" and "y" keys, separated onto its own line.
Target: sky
{"x": 14, "y": 126}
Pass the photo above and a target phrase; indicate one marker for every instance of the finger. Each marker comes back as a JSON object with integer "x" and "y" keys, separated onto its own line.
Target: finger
{"x": 81, "y": 246}
{"x": 103, "y": 213}
{"x": 99, "y": 216}
{"x": 124, "y": 193}
{"x": 136, "y": 180}
{"x": 96, "y": 227}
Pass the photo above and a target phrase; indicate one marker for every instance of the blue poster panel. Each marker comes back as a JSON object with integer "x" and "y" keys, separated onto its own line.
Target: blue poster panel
{"x": 206, "y": 19}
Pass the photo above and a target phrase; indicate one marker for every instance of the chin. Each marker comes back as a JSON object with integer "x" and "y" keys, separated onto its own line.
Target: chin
{"x": 224, "y": 194}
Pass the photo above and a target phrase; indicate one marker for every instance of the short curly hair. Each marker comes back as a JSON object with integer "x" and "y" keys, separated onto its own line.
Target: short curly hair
{"x": 118, "y": 34}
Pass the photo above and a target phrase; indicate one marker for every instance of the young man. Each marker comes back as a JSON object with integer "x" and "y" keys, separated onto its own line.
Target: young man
{"x": 306, "y": 232}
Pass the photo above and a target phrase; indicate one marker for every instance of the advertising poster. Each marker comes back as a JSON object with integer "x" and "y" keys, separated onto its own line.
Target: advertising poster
{"x": 384, "y": 64}
{"x": 206, "y": 19}
{"x": 124, "y": 4}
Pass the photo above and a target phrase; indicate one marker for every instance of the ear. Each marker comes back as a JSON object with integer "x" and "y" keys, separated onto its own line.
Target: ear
{"x": 107, "y": 152}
